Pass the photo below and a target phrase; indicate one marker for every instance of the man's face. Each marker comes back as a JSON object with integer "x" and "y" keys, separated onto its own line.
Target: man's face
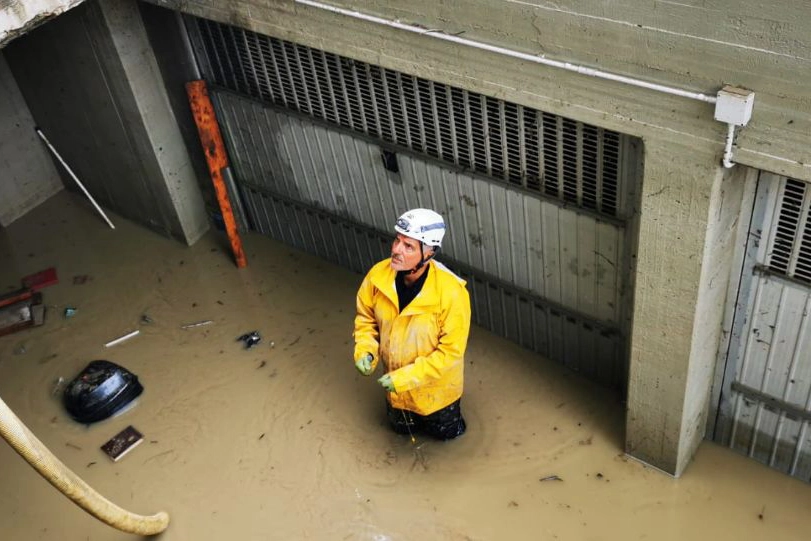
{"x": 405, "y": 253}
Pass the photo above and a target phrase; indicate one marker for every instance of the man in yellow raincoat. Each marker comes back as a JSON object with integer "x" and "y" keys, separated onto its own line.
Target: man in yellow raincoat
{"x": 413, "y": 314}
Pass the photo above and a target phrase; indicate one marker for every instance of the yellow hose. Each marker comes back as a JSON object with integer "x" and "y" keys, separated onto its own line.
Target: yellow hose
{"x": 55, "y": 472}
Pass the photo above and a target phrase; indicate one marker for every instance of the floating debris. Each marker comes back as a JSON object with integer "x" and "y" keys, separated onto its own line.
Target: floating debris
{"x": 146, "y": 319}
{"x": 122, "y": 338}
{"x": 58, "y": 386}
{"x": 122, "y": 443}
{"x": 550, "y": 478}
{"x": 197, "y": 324}
{"x": 70, "y": 311}
{"x": 250, "y": 339}
{"x": 41, "y": 279}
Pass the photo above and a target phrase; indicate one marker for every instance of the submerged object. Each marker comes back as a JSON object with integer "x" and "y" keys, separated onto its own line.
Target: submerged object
{"x": 124, "y": 338}
{"x": 20, "y": 309}
{"x": 100, "y": 390}
{"x": 251, "y": 339}
{"x": 197, "y": 324}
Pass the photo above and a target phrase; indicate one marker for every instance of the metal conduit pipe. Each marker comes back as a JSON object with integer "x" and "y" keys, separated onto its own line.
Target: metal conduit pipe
{"x": 537, "y": 59}
{"x": 55, "y": 472}
{"x": 728, "y": 146}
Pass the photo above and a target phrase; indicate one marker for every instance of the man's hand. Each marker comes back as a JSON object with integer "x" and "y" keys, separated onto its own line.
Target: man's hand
{"x": 364, "y": 364}
{"x": 386, "y": 383}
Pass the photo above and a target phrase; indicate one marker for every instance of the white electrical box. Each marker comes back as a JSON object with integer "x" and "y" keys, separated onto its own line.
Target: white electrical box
{"x": 734, "y": 105}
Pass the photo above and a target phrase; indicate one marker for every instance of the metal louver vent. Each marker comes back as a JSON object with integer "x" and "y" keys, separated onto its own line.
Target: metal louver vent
{"x": 541, "y": 152}
{"x": 588, "y": 346}
{"x": 790, "y": 252}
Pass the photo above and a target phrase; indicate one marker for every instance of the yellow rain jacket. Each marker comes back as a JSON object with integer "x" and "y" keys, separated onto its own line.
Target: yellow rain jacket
{"x": 423, "y": 347}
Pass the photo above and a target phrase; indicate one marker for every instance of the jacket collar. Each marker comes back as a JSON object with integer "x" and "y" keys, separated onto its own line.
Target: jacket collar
{"x": 383, "y": 279}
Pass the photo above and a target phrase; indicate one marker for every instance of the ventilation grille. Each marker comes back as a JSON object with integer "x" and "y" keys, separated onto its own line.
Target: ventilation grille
{"x": 580, "y": 343}
{"x": 790, "y": 253}
{"x": 561, "y": 158}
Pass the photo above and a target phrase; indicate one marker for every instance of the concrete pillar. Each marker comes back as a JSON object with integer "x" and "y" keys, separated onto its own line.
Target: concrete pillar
{"x": 133, "y": 66}
{"x": 28, "y": 175}
{"x": 686, "y": 237}
{"x": 92, "y": 82}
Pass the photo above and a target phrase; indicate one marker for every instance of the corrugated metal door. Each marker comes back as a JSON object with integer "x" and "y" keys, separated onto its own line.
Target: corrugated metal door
{"x": 328, "y": 151}
{"x": 765, "y": 405}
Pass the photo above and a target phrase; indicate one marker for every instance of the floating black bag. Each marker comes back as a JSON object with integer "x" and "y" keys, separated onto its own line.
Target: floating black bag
{"x": 99, "y": 391}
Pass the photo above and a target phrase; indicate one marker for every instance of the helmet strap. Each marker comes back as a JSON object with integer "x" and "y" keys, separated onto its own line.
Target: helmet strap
{"x": 423, "y": 259}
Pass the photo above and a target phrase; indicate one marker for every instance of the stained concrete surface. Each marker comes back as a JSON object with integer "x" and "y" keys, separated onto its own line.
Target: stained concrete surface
{"x": 289, "y": 442}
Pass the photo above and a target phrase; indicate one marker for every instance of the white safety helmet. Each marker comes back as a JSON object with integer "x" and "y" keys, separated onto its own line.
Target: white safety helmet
{"x": 423, "y": 225}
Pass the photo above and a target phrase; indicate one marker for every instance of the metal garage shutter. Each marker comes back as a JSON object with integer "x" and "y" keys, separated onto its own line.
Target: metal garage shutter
{"x": 765, "y": 403}
{"x": 536, "y": 203}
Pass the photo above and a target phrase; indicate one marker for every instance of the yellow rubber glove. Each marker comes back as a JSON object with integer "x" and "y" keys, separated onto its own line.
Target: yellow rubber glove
{"x": 364, "y": 364}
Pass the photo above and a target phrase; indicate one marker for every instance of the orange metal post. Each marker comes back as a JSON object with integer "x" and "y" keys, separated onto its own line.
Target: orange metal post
{"x": 210, "y": 136}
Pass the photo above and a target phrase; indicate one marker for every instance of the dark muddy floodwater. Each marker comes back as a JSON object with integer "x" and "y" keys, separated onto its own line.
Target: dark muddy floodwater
{"x": 286, "y": 441}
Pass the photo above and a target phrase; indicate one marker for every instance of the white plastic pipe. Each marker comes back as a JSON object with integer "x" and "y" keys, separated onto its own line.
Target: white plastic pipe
{"x": 75, "y": 178}
{"x": 122, "y": 338}
{"x": 728, "y": 147}
{"x": 538, "y": 59}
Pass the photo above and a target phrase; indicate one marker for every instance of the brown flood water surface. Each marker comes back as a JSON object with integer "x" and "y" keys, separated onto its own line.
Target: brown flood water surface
{"x": 289, "y": 442}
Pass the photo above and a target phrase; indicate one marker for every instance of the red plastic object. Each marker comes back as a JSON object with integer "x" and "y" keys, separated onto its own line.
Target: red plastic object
{"x": 15, "y": 296}
{"x": 41, "y": 279}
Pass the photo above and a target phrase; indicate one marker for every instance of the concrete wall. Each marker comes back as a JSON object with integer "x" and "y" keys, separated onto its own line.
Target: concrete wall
{"x": 761, "y": 46}
{"x": 177, "y": 66}
{"x": 700, "y": 46}
{"x": 28, "y": 175}
{"x": 20, "y": 16}
{"x": 673, "y": 218}
{"x": 92, "y": 83}
{"x": 684, "y": 264}
{"x": 731, "y": 190}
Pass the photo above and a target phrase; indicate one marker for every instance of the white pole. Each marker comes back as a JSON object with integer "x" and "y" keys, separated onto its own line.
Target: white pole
{"x": 72, "y": 174}
{"x": 198, "y": 324}
{"x": 121, "y": 339}
{"x": 538, "y": 59}
{"x": 728, "y": 147}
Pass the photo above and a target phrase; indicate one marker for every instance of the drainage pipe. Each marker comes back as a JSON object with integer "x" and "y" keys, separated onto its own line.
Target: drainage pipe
{"x": 537, "y": 59}
{"x": 55, "y": 472}
{"x": 728, "y": 146}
